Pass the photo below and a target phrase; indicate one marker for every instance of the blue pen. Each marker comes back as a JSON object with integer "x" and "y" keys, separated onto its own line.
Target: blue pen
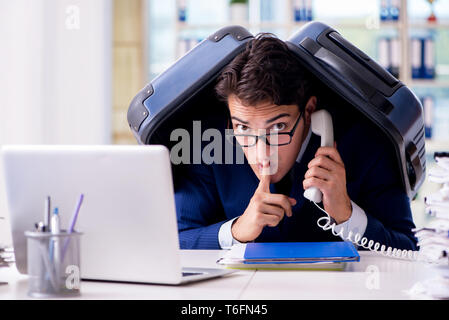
{"x": 54, "y": 222}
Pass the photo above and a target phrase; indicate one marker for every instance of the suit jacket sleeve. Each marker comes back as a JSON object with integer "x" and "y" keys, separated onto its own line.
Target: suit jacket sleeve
{"x": 387, "y": 206}
{"x": 198, "y": 208}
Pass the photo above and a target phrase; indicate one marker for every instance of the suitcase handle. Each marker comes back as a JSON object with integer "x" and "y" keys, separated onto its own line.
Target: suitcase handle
{"x": 338, "y": 64}
{"x": 363, "y": 59}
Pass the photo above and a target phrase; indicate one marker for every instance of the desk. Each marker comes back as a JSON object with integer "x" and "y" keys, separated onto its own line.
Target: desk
{"x": 374, "y": 277}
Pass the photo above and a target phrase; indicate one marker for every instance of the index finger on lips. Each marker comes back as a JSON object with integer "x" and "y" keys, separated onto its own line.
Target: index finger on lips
{"x": 264, "y": 184}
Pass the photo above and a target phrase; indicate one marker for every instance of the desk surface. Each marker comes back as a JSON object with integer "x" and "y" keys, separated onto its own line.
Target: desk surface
{"x": 374, "y": 277}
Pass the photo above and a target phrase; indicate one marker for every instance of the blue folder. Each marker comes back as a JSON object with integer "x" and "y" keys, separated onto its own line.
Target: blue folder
{"x": 297, "y": 252}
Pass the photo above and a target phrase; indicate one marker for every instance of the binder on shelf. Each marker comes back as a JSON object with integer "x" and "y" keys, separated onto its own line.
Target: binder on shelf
{"x": 428, "y": 68}
{"x": 308, "y": 10}
{"x": 395, "y": 56}
{"x": 290, "y": 255}
{"x": 383, "y": 53}
{"x": 394, "y": 10}
{"x": 423, "y": 58}
{"x": 428, "y": 105}
{"x": 302, "y": 10}
{"x": 182, "y": 11}
{"x": 297, "y": 7}
{"x": 389, "y": 54}
{"x": 416, "y": 57}
{"x": 383, "y": 10}
{"x": 390, "y": 10}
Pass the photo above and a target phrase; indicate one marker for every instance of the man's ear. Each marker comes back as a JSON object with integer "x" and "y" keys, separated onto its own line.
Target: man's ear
{"x": 309, "y": 109}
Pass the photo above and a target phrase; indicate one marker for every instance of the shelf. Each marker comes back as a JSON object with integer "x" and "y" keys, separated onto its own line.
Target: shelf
{"x": 430, "y": 83}
{"x": 428, "y": 25}
{"x": 390, "y": 24}
{"x": 245, "y": 24}
{"x": 402, "y": 27}
{"x": 278, "y": 25}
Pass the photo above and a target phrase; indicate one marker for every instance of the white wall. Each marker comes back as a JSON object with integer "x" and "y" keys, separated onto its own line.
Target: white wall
{"x": 55, "y": 75}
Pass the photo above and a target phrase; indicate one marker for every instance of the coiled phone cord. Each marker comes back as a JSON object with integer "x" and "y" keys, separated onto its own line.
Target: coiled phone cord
{"x": 363, "y": 241}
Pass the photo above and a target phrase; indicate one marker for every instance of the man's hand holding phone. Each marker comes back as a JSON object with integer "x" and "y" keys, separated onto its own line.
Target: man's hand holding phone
{"x": 327, "y": 173}
{"x": 264, "y": 209}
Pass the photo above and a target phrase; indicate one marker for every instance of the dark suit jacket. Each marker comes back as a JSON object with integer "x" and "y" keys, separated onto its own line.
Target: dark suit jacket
{"x": 209, "y": 195}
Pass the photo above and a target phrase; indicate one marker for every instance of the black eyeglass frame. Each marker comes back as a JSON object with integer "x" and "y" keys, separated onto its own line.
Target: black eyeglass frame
{"x": 290, "y": 133}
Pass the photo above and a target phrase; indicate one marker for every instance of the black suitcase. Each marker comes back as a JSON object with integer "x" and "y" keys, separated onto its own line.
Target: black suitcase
{"x": 184, "y": 92}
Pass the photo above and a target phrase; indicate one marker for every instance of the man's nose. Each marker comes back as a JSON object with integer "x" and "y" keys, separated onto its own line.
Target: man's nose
{"x": 262, "y": 149}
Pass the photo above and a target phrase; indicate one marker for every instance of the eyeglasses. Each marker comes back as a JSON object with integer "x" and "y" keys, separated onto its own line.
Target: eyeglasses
{"x": 271, "y": 139}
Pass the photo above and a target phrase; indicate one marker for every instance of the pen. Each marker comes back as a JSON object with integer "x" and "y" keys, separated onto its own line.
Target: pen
{"x": 55, "y": 229}
{"x": 72, "y": 223}
{"x": 54, "y": 222}
{"x": 75, "y": 214}
{"x": 47, "y": 213}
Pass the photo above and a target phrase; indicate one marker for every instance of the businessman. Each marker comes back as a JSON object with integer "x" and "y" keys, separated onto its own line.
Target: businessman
{"x": 270, "y": 99}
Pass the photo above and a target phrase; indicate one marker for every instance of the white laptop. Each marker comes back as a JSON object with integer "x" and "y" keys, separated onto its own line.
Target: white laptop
{"x": 127, "y": 217}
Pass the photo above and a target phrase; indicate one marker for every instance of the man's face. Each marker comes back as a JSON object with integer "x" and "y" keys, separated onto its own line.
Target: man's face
{"x": 265, "y": 118}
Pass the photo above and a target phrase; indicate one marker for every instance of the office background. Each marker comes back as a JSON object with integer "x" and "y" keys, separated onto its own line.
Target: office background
{"x": 69, "y": 68}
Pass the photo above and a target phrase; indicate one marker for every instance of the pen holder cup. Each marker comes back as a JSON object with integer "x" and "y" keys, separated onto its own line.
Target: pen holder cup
{"x": 53, "y": 264}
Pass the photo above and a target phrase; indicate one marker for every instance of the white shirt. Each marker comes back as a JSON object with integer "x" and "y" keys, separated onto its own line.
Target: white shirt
{"x": 356, "y": 223}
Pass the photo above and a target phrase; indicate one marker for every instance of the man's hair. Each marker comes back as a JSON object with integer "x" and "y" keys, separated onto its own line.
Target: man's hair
{"x": 266, "y": 71}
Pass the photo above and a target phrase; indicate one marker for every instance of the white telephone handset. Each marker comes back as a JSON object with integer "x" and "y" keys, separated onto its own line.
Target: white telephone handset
{"x": 322, "y": 126}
